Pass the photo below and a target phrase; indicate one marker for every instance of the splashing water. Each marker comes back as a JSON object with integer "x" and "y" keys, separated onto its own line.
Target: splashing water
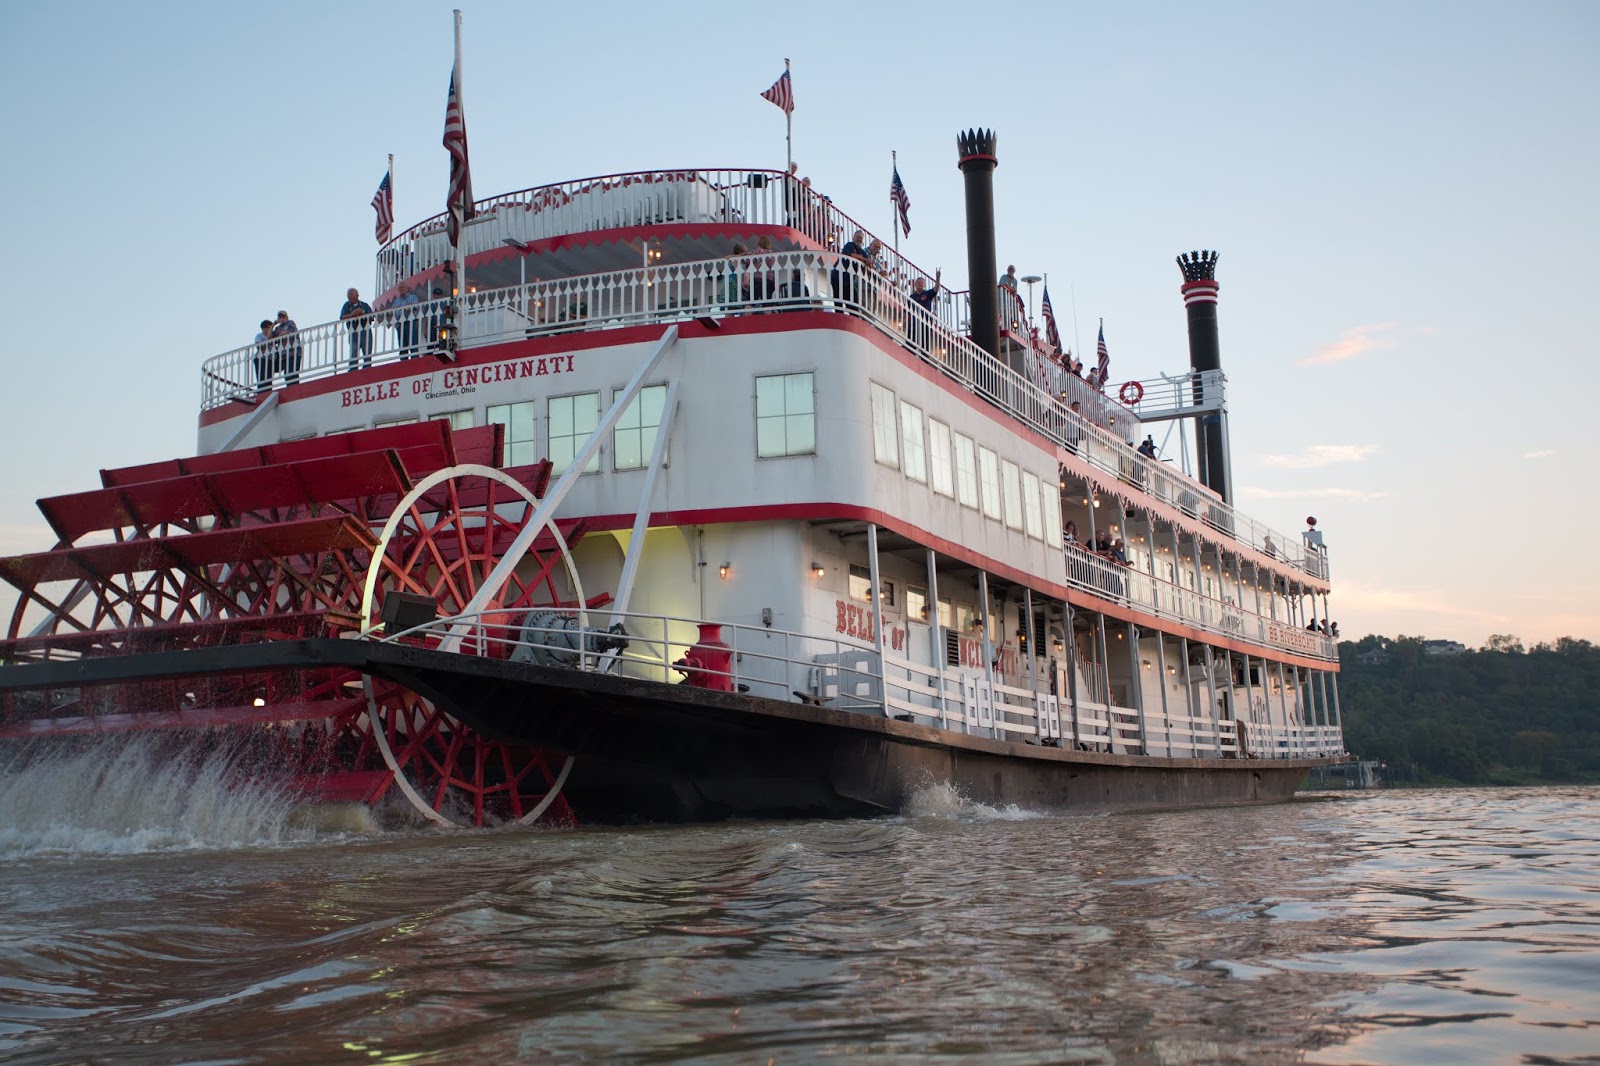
{"x": 944, "y": 800}
{"x": 140, "y": 794}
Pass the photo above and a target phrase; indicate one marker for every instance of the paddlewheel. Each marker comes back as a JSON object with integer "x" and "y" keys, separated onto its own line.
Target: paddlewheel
{"x": 290, "y": 541}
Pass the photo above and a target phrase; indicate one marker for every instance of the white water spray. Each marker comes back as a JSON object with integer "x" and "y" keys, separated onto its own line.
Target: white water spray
{"x": 126, "y": 795}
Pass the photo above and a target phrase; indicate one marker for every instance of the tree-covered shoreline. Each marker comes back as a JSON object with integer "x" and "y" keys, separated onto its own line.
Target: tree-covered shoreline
{"x": 1500, "y": 715}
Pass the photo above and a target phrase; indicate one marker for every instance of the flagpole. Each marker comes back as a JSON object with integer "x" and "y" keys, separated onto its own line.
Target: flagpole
{"x": 391, "y": 184}
{"x": 788, "y": 122}
{"x": 894, "y": 223}
{"x": 461, "y": 104}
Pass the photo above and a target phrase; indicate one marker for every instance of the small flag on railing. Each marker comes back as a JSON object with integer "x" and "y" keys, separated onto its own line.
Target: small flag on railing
{"x": 459, "y": 206}
{"x": 902, "y": 202}
{"x": 781, "y": 93}
{"x": 383, "y": 204}
{"x": 1103, "y": 371}
{"x": 1052, "y": 336}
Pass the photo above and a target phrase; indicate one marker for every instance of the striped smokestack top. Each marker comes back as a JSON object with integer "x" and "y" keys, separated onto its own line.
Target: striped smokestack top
{"x": 1200, "y": 302}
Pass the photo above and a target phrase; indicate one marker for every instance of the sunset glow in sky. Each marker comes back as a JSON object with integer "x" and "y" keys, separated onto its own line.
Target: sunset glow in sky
{"x": 1403, "y": 196}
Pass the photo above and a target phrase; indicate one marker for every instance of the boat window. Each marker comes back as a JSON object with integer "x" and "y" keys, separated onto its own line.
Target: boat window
{"x": 989, "y": 468}
{"x": 572, "y": 420}
{"x": 1051, "y": 499}
{"x": 457, "y": 419}
{"x": 634, "y": 439}
{"x": 947, "y": 613}
{"x": 966, "y": 618}
{"x": 884, "y": 446}
{"x": 394, "y": 422}
{"x": 911, "y": 438}
{"x": 1013, "y": 493}
{"x": 916, "y": 603}
{"x": 518, "y": 418}
{"x": 1032, "y": 516}
{"x": 786, "y": 419}
{"x": 860, "y": 582}
{"x": 939, "y": 458}
{"x": 966, "y": 472}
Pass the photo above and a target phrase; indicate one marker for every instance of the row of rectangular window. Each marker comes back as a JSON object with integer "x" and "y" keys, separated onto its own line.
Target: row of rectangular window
{"x": 922, "y": 449}
{"x": 786, "y": 424}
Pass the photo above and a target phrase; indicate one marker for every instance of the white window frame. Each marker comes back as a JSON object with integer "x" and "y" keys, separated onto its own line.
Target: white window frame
{"x": 1011, "y": 490}
{"x": 799, "y": 427}
{"x": 1050, "y": 497}
{"x": 1032, "y": 517}
{"x": 966, "y": 471}
{"x": 519, "y": 450}
{"x": 563, "y": 446}
{"x": 989, "y": 482}
{"x": 631, "y": 427}
{"x": 913, "y": 445}
{"x": 885, "y": 432}
{"x": 941, "y": 473}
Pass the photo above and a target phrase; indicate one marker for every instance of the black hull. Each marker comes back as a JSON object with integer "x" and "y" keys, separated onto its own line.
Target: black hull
{"x": 647, "y": 751}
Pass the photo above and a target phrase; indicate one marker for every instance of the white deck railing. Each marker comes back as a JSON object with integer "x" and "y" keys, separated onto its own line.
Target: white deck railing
{"x": 845, "y": 674}
{"x": 715, "y": 288}
{"x": 1166, "y": 599}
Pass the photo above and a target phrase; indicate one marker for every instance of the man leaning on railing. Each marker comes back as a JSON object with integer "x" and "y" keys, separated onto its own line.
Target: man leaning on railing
{"x": 356, "y": 314}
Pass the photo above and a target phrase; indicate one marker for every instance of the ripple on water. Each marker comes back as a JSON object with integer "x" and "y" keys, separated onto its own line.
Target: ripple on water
{"x": 1380, "y": 928}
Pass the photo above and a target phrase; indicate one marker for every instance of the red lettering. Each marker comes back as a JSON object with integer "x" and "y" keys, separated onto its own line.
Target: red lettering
{"x": 839, "y": 605}
{"x": 526, "y": 368}
{"x": 345, "y": 399}
{"x": 542, "y": 371}
{"x": 569, "y": 364}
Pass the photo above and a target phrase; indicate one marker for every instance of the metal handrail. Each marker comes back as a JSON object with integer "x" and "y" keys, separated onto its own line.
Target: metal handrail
{"x": 998, "y": 710}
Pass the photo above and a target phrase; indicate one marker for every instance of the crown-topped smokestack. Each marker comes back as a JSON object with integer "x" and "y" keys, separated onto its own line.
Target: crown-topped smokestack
{"x": 977, "y": 166}
{"x": 1210, "y": 429}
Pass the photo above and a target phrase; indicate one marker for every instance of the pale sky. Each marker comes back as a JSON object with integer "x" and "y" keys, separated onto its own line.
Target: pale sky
{"x": 1403, "y": 196}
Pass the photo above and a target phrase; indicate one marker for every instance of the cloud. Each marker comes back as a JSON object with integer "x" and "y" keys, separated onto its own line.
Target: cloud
{"x": 1542, "y": 453}
{"x": 1321, "y": 455}
{"x": 1358, "y": 340}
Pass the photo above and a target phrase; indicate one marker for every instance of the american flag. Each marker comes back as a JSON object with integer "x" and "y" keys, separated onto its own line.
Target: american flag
{"x": 898, "y": 197}
{"x": 1103, "y": 371}
{"x": 455, "y": 142}
{"x": 1052, "y": 336}
{"x": 781, "y": 93}
{"x": 383, "y": 203}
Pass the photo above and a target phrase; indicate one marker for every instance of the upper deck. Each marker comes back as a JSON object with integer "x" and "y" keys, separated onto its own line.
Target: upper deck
{"x": 673, "y": 225}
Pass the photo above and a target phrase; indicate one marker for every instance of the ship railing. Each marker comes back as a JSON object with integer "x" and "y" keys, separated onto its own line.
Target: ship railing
{"x": 714, "y": 288}
{"x": 649, "y": 198}
{"x": 1119, "y": 583}
{"x": 842, "y": 673}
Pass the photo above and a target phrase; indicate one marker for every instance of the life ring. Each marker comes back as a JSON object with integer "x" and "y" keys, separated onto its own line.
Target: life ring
{"x": 1131, "y": 393}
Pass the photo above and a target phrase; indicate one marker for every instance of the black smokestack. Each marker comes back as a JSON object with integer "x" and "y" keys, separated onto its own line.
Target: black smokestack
{"x": 1210, "y": 430}
{"x": 977, "y": 166}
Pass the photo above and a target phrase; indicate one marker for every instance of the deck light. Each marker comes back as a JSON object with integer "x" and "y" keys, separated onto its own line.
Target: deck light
{"x": 722, "y": 571}
{"x": 817, "y": 570}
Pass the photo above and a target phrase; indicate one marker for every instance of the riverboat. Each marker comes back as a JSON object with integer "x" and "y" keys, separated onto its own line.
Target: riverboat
{"x": 671, "y": 511}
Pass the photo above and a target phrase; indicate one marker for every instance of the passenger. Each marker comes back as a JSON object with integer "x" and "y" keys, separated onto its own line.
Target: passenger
{"x": 1009, "y": 278}
{"x": 1148, "y": 448}
{"x": 356, "y": 314}
{"x": 925, "y": 295}
{"x": 732, "y": 291}
{"x": 405, "y": 312}
{"x": 1070, "y": 534}
{"x": 763, "y": 279}
{"x": 264, "y": 360}
{"x": 284, "y": 333}
{"x": 1074, "y": 434}
{"x": 846, "y": 275}
{"x": 1119, "y": 551}
{"x": 1269, "y": 549}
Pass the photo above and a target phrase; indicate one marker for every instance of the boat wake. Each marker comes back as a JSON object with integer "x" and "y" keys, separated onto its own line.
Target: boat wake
{"x": 944, "y": 800}
{"x": 131, "y": 795}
